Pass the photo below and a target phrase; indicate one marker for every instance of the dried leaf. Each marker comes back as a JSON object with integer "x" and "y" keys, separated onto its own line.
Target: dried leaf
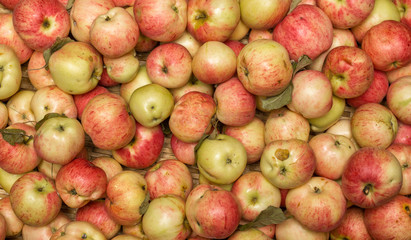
{"x": 46, "y": 117}
{"x": 302, "y": 62}
{"x": 13, "y": 136}
{"x": 144, "y": 205}
{"x": 293, "y": 5}
{"x": 69, "y": 5}
{"x": 271, "y": 215}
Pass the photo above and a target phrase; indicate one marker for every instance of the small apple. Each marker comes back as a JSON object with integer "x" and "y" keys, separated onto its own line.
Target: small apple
{"x": 403, "y": 133}
{"x": 324, "y": 122}
{"x": 78, "y": 230}
{"x": 403, "y": 9}
{"x": 398, "y": 99}
{"x": 11, "y": 73}
{"x": 14, "y": 225}
{"x": 44, "y": 232}
{"x": 122, "y": 69}
{"x": 19, "y": 109}
{"x": 38, "y": 75}
{"x": 352, "y": 226}
{"x": 189, "y": 42}
{"x": 109, "y": 165}
{"x": 8, "y": 179}
{"x": 49, "y": 169}
{"x": 235, "y": 45}
{"x": 192, "y": 85}
{"x": 403, "y": 152}
{"x": 183, "y": 151}
{"x": 141, "y": 79}
{"x": 4, "y": 115}
{"x": 240, "y": 31}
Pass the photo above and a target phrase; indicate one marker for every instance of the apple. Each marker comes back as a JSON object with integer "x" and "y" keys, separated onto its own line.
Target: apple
{"x": 398, "y": 99}
{"x": 9, "y": 37}
{"x": 183, "y": 151}
{"x": 263, "y": 15}
{"x": 169, "y": 65}
{"x": 8, "y": 179}
{"x": 9, "y": 4}
{"x": 341, "y": 127}
{"x": 49, "y": 169}
{"x": 191, "y": 116}
{"x": 81, "y": 100}
{"x": 99, "y": 117}
{"x": 403, "y": 152}
{"x": 372, "y": 177}
{"x": 124, "y": 3}
{"x": 307, "y": 87}
{"x": 125, "y": 237}
{"x": 352, "y": 226}
{"x": 319, "y": 204}
{"x": 256, "y": 34}
{"x": 348, "y": 14}
{"x": 251, "y": 233}
{"x": 79, "y": 182}
{"x": 204, "y": 180}
{"x": 251, "y": 136}
{"x": 214, "y": 63}
{"x": 212, "y": 212}
{"x": 44, "y": 232}
{"x": 20, "y": 156}
{"x": 169, "y": 210}
{"x": 48, "y": 21}
{"x": 293, "y": 229}
{"x": 95, "y": 213}
{"x": 14, "y": 225}
{"x": 151, "y": 104}
{"x": 11, "y": 73}
{"x": 240, "y": 31}
{"x": 304, "y": 25}
{"x": 350, "y": 71}
{"x": 126, "y": 192}
{"x": 324, "y": 122}
{"x": 143, "y": 150}
{"x": 255, "y": 193}
{"x": 141, "y": 79}
{"x": 192, "y": 85}
{"x": 59, "y": 140}
{"x": 235, "y": 45}
{"x": 109, "y": 165}
{"x": 397, "y": 73}
{"x": 35, "y": 187}
{"x": 235, "y": 105}
{"x": 395, "y": 37}
{"x": 78, "y": 230}
{"x": 403, "y": 9}
{"x": 288, "y": 164}
{"x": 163, "y": 21}
{"x": 332, "y": 153}
{"x": 403, "y": 133}
{"x": 383, "y": 10}
{"x": 221, "y": 158}
{"x": 122, "y": 69}
{"x": 189, "y": 42}
{"x": 145, "y": 44}
{"x": 284, "y": 124}
{"x": 264, "y": 67}
{"x": 51, "y": 99}
{"x": 134, "y": 230}
{"x": 19, "y": 109}
{"x": 38, "y": 75}
{"x": 212, "y": 20}
{"x": 3, "y": 230}
{"x": 82, "y": 15}
{"x": 373, "y": 125}
{"x": 4, "y": 115}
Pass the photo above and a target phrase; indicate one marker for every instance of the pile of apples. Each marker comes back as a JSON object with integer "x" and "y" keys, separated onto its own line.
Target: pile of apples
{"x": 248, "y": 95}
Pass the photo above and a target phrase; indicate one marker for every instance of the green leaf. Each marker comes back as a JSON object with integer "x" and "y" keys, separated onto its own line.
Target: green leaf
{"x": 59, "y": 43}
{"x": 13, "y": 136}
{"x": 302, "y": 62}
{"x": 271, "y": 215}
{"x": 69, "y": 5}
{"x": 46, "y": 117}
{"x": 144, "y": 205}
{"x": 277, "y": 101}
{"x": 293, "y": 5}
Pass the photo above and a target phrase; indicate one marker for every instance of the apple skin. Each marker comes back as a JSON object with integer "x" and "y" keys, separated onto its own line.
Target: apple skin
{"x": 11, "y": 72}
{"x": 255, "y": 193}
{"x": 169, "y": 176}
{"x": 49, "y": 169}
{"x": 256, "y": 34}
{"x": 78, "y": 230}
{"x": 332, "y": 153}
{"x": 100, "y": 115}
{"x": 122, "y": 69}
{"x": 19, "y": 109}
{"x": 141, "y": 79}
{"x": 109, "y": 165}
{"x": 251, "y": 233}
{"x": 81, "y": 100}
{"x": 375, "y": 93}
{"x": 192, "y": 85}
{"x": 212, "y": 20}
{"x": 403, "y": 9}
{"x": 126, "y": 192}
{"x": 235, "y": 45}
{"x": 304, "y": 25}
{"x": 307, "y": 87}
{"x": 169, "y": 65}
{"x": 352, "y": 226}
{"x": 14, "y": 225}
{"x": 397, "y": 73}
{"x": 263, "y": 15}
{"x": 251, "y": 136}
{"x": 373, "y": 125}
{"x": 163, "y": 21}
{"x": 37, "y": 187}
{"x": 292, "y": 229}
{"x": 10, "y": 37}
{"x": 44, "y": 232}
{"x": 403, "y": 152}
{"x": 191, "y": 116}
{"x": 284, "y": 124}
{"x": 388, "y": 44}
{"x": 21, "y": 157}
{"x": 264, "y": 67}
{"x": 4, "y": 115}
{"x": 48, "y": 21}
{"x": 235, "y": 105}
{"x": 183, "y": 151}
{"x": 326, "y": 121}
{"x": 189, "y": 42}
{"x": 9, "y": 4}
{"x": 372, "y": 177}
{"x": 80, "y": 182}
{"x": 212, "y": 212}
{"x": 398, "y": 99}
{"x": 348, "y": 14}
{"x": 319, "y": 204}
{"x": 95, "y": 213}
{"x": 403, "y": 133}
{"x": 134, "y": 230}
{"x": 350, "y": 71}
{"x": 38, "y": 76}
{"x": 288, "y": 164}
{"x": 240, "y": 32}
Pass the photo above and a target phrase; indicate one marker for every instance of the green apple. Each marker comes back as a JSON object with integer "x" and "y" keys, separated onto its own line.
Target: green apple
{"x": 151, "y": 104}
{"x": 322, "y": 123}
{"x": 263, "y": 14}
{"x": 76, "y": 68}
{"x": 122, "y": 69}
{"x": 221, "y": 159}
{"x": 7, "y": 179}
{"x": 141, "y": 79}
{"x": 204, "y": 180}
{"x": 10, "y": 72}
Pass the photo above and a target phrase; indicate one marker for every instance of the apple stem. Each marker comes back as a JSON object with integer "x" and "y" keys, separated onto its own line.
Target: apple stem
{"x": 367, "y": 189}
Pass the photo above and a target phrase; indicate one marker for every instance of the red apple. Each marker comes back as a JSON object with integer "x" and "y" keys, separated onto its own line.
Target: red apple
{"x": 256, "y": 34}
{"x": 81, "y": 100}
{"x": 403, "y": 154}
{"x": 109, "y": 165}
{"x": 44, "y": 232}
{"x": 352, "y": 226}
{"x": 14, "y": 225}
{"x": 183, "y": 151}
{"x": 403, "y": 134}
{"x": 192, "y": 85}
{"x": 398, "y": 99}
{"x": 38, "y": 75}
{"x": 235, "y": 45}
{"x": 397, "y": 73}
{"x": 403, "y": 8}
{"x": 78, "y": 230}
